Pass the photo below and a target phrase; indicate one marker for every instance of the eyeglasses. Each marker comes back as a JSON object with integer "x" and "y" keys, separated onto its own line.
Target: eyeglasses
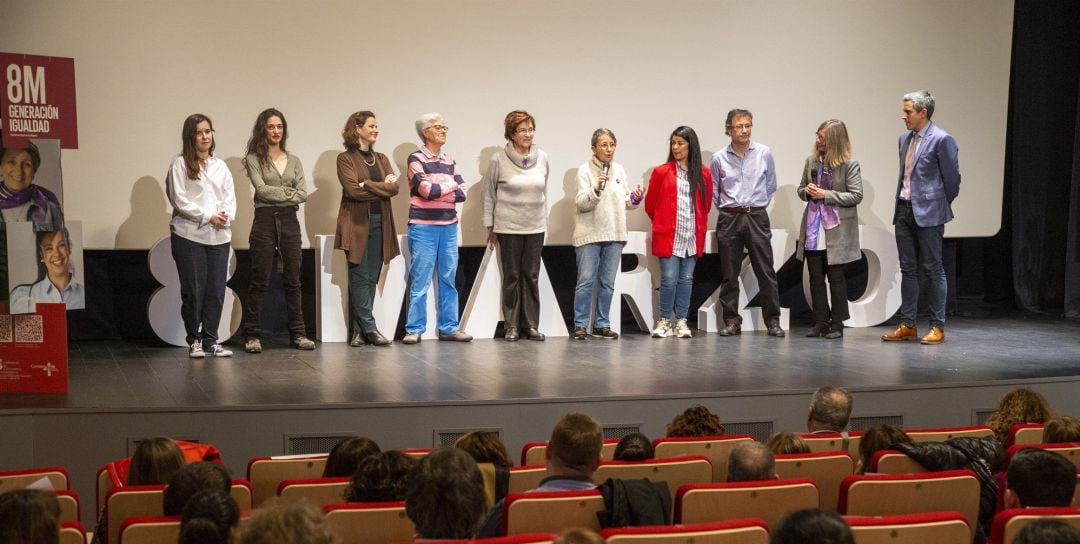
{"x": 439, "y": 128}
{"x": 525, "y": 131}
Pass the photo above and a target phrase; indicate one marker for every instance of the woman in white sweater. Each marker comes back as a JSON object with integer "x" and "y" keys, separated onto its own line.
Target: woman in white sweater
{"x": 602, "y": 198}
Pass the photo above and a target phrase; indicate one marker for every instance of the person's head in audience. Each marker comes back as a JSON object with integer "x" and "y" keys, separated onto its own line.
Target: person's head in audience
{"x": 280, "y": 522}
{"x": 696, "y": 420}
{"x": 578, "y": 535}
{"x": 209, "y": 517}
{"x": 785, "y": 443}
{"x": 1037, "y": 477}
{"x": 445, "y": 498}
{"x": 634, "y": 447}
{"x": 346, "y": 456}
{"x": 381, "y": 477}
{"x": 484, "y": 447}
{"x": 876, "y": 439}
{"x": 29, "y": 516}
{"x": 812, "y": 526}
{"x": 1061, "y": 429}
{"x": 155, "y": 461}
{"x": 1047, "y": 531}
{"x": 192, "y": 479}
{"x": 574, "y": 447}
{"x": 1020, "y": 405}
{"x": 830, "y": 410}
{"x": 751, "y": 462}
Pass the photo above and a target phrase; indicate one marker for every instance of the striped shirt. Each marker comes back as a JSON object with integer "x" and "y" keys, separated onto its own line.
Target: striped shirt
{"x": 685, "y": 228}
{"x": 435, "y": 186}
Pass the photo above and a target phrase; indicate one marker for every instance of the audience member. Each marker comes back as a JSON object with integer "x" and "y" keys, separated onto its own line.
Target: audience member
{"x": 876, "y": 439}
{"x": 578, "y": 535}
{"x": 812, "y": 526}
{"x": 192, "y": 479}
{"x": 697, "y": 420}
{"x": 1048, "y": 531}
{"x": 634, "y": 447}
{"x": 1061, "y": 429}
{"x": 155, "y": 461}
{"x": 279, "y": 522}
{"x": 381, "y": 477}
{"x": 445, "y": 498}
{"x": 785, "y": 443}
{"x": 830, "y": 410}
{"x": 484, "y": 447}
{"x": 346, "y": 456}
{"x": 209, "y": 517}
{"x": 1037, "y": 477}
{"x": 751, "y": 462}
{"x": 29, "y": 516}
{"x": 1018, "y": 406}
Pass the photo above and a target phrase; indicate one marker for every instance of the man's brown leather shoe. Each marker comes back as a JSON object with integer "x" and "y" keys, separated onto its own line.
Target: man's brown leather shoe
{"x": 935, "y": 336}
{"x": 902, "y": 333}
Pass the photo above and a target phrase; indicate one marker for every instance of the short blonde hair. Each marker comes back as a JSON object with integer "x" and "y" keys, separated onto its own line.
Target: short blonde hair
{"x": 513, "y": 119}
{"x": 294, "y": 522}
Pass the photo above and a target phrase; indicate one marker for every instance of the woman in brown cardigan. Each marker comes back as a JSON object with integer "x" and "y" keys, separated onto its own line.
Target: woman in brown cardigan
{"x": 365, "y": 226}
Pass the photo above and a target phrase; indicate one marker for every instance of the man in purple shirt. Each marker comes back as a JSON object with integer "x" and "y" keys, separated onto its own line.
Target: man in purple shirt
{"x": 744, "y": 181}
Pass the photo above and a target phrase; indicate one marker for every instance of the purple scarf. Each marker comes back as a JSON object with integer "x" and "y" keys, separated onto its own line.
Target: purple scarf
{"x": 40, "y": 196}
{"x": 817, "y": 211}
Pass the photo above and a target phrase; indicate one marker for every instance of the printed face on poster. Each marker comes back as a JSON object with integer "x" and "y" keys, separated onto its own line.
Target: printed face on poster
{"x": 45, "y": 266}
{"x": 38, "y": 100}
{"x": 31, "y": 174}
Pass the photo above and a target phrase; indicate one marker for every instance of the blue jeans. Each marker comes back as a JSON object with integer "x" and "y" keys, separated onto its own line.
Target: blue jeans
{"x": 434, "y": 249}
{"x": 596, "y": 264}
{"x": 676, "y": 280}
{"x": 920, "y": 251}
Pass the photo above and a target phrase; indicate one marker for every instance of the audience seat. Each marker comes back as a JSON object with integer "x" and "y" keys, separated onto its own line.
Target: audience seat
{"x": 1071, "y": 451}
{"x": 318, "y": 491}
{"x": 893, "y": 462}
{"x": 534, "y": 538}
{"x": 892, "y": 494}
{"x": 942, "y": 434}
{"x": 150, "y": 530}
{"x": 148, "y": 501}
{"x": 769, "y": 500}
{"x": 676, "y": 471}
{"x": 928, "y": 527}
{"x": 266, "y": 473}
{"x": 715, "y": 448}
{"x": 832, "y": 442}
{"x": 18, "y": 479}
{"x": 534, "y": 453}
{"x": 1025, "y": 433}
{"x": 107, "y": 479}
{"x": 69, "y": 504}
{"x": 416, "y": 453}
{"x": 827, "y": 469}
{"x": 735, "y": 531}
{"x": 369, "y": 522}
{"x": 1008, "y": 523}
{"x": 525, "y": 478}
{"x": 551, "y": 512}
{"x": 72, "y": 532}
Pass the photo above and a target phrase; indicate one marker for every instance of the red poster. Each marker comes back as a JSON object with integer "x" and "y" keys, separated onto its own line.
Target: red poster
{"x": 34, "y": 351}
{"x": 38, "y": 100}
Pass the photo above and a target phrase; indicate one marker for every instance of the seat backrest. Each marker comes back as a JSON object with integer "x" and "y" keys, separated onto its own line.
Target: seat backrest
{"x": 523, "y": 479}
{"x": 715, "y": 448}
{"x": 369, "y": 522}
{"x": 1071, "y": 451}
{"x": 266, "y": 473}
{"x": 1022, "y": 434}
{"x": 416, "y": 453}
{"x": 942, "y": 434}
{"x": 1009, "y": 522}
{"x": 827, "y": 469}
{"x": 241, "y": 492}
{"x": 893, "y": 462}
{"x": 534, "y": 453}
{"x": 107, "y": 479}
{"x": 150, "y": 530}
{"x": 769, "y": 500}
{"x": 676, "y": 471}
{"x": 132, "y": 501}
{"x": 69, "y": 504}
{"x": 832, "y": 442}
{"x": 532, "y": 538}
{"x": 18, "y": 479}
{"x": 72, "y": 532}
{"x": 551, "y": 512}
{"x": 735, "y": 531}
{"x": 892, "y": 494}
{"x": 935, "y": 527}
{"x": 318, "y": 491}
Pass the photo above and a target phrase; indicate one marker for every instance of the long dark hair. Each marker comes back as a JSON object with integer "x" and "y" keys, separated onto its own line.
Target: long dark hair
{"x": 257, "y": 144}
{"x": 693, "y": 160}
{"x": 191, "y": 157}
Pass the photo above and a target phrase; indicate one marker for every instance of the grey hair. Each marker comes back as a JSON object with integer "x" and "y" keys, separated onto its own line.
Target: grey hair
{"x": 425, "y": 121}
{"x": 832, "y": 406}
{"x": 601, "y": 132}
{"x": 921, "y": 100}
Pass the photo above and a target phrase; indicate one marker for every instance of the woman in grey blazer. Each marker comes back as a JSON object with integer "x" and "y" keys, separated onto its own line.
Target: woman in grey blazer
{"x": 829, "y": 232}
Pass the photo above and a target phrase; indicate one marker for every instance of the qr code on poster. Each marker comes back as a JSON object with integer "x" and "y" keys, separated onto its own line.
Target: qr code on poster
{"x": 5, "y": 329}
{"x": 28, "y": 328}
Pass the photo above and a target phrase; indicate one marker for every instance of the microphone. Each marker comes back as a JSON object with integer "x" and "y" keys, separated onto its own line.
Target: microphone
{"x": 607, "y": 166}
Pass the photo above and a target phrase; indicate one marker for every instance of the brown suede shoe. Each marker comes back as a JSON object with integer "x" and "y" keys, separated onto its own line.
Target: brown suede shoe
{"x": 935, "y": 336}
{"x": 902, "y": 333}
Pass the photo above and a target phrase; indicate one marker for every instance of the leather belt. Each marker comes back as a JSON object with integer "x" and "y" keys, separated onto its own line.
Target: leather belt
{"x": 740, "y": 209}
{"x": 903, "y": 203}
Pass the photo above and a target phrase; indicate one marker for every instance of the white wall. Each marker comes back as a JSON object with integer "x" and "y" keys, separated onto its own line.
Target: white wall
{"x": 639, "y": 67}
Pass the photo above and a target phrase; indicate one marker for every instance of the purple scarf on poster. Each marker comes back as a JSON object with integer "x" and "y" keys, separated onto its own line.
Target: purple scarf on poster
{"x": 817, "y": 211}
{"x": 39, "y": 195}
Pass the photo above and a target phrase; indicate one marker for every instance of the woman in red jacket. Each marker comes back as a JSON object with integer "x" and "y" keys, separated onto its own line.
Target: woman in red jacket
{"x": 678, "y": 202}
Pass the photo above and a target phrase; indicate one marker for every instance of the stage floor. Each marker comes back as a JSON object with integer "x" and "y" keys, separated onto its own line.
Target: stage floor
{"x": 111, "y": 375}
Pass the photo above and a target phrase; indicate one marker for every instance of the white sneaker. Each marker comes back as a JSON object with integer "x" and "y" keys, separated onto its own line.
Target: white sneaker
{"x": 218, "y": 350}
{"x": 195, "y": 351}
{"x": 681, "y": 330}
{"x": 662, "y": 329}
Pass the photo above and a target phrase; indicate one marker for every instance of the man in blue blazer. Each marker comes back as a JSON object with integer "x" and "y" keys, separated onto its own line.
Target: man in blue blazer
{"x": 928, "y": 183}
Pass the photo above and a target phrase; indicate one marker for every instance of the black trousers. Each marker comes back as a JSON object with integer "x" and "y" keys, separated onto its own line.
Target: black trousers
{"x": 520, "y": 256}
{"x": 202, "y": 270}
{"x": 818, "y": 264}
{"x": 751, "y": 233}
{"x": 274, "y": 233}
